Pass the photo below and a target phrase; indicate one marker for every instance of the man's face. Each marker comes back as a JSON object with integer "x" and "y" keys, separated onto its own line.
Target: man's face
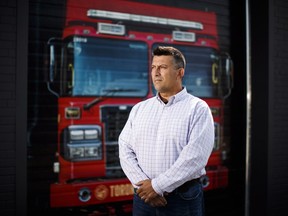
{"x": 165, "y": 75}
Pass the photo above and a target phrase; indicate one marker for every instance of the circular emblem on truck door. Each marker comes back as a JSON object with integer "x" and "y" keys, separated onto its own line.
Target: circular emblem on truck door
{"x": 101, "y": 192}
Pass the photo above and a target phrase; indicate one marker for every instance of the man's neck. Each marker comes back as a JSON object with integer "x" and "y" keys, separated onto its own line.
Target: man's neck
{"x": 165, "y": 97}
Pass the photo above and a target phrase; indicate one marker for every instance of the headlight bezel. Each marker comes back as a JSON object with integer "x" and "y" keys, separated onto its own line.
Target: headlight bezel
{"x": 82, "y": 143}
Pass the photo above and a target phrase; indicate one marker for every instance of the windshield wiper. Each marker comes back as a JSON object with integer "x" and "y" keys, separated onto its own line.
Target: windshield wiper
{"x": 92, "y": 103}
{"x": 109, "y": 91}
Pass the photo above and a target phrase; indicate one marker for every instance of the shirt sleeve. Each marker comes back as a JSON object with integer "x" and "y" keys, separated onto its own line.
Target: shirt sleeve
{"x": 194, "y": 156}
{"x": 128, "y": 159}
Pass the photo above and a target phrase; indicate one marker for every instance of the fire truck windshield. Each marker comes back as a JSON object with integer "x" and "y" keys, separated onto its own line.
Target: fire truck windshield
{"x": 104, "y": 67}
{"x": 201, "y": 74}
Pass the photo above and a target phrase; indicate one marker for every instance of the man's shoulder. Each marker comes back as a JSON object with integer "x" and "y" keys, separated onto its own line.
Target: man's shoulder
{"x": 194, "y": 100}
{"x": 148, "y": 100}
{"x": 145, "y": 102}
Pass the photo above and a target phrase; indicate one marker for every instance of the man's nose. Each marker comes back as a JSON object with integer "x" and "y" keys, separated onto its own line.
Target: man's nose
{"x": 157, "y": 70}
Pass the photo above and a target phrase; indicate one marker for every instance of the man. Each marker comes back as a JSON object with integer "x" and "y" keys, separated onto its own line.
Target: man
{"x": 166, "y": 142}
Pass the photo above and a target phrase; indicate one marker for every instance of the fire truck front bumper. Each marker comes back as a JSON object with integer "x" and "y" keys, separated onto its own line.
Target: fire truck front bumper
{"x": 90, "y": 193}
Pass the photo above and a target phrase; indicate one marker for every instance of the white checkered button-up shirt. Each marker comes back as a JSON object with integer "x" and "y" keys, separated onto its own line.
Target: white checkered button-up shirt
{"x": 167, "y": 143}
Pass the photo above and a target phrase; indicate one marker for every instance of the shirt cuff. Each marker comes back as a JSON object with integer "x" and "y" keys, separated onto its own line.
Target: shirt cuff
{"x": 156, "y": 187}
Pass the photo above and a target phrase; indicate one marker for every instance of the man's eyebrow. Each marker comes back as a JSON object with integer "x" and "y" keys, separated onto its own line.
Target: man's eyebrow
{"x": 159, "y": 65}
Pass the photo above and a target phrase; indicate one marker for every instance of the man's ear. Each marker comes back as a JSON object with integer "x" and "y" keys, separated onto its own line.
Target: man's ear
{"x": 181, "y": 72}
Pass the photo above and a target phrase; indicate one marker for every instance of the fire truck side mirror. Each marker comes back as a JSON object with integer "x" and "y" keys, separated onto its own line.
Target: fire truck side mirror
{"x": 53, "y": 58}
{"x": 229, "y": 71}
{"x": 227, "y": 74}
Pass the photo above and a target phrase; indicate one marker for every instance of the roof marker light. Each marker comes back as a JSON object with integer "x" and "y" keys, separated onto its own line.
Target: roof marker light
{"x": 141, "y": 18}
{"x": 113, "y": 29}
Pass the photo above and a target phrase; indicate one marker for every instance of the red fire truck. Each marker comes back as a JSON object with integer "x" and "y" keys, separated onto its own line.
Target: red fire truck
{"x": 100, "y": 68}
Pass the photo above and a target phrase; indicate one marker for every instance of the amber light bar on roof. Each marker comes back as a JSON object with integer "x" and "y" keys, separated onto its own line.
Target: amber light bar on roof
{"x": 141, "y": 18}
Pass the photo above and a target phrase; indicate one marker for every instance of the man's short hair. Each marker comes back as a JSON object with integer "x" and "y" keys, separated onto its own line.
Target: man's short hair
{"x": 171, "y": 51}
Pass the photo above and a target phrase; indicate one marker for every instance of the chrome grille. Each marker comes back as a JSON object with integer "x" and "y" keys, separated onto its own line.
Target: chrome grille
{"x": 114, "y": 119}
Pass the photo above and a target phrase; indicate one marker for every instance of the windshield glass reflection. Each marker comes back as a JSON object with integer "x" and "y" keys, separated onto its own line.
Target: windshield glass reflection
{"x": 105, "y": 67}
{"x": 201, "y": 61}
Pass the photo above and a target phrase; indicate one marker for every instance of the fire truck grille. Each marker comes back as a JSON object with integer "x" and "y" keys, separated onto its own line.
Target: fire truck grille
{"x": 114, "y": 119}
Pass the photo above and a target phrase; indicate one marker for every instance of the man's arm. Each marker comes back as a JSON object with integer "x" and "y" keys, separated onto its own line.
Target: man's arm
{"x": 148, "y": 194}
{"x": 193, "y": 157}
{"x": 128, "y": 159}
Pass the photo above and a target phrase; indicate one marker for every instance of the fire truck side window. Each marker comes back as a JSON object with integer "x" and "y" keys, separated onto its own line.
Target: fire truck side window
{"x": 198, "y": 73}
{"x": 105, "y": 67}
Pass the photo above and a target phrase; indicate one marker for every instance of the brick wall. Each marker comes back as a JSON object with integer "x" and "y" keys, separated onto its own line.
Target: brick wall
{"x": 278, "y": 146}
{"x": 13, "y": 70}
{"x": 269, "y": 145}
{"x": 8, "y": 16}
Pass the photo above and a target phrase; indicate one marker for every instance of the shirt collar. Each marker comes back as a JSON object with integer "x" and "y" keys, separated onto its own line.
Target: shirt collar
{"x": 175, "y": 98}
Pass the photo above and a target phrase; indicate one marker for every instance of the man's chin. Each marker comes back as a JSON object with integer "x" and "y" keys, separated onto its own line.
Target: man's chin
{"x": 157, "y": 89}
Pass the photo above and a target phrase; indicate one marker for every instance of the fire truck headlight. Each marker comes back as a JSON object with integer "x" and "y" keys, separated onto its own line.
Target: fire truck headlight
{"x": 91, "y": 134}
{"x": 81, "y": 142}
{"x": 76, "y": 152}
{"x": 93, "y": 151}
{"x": 88, "y": 134}
{"x": 76, "y": 134}
{"x": 85, "y": 152}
